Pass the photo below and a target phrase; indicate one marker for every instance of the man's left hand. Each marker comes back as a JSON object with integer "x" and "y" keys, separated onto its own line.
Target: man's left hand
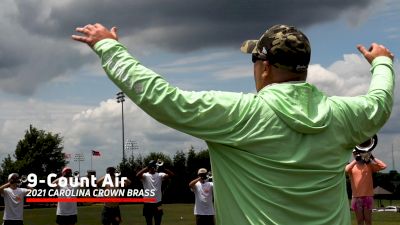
{"x": 93, "y": 33}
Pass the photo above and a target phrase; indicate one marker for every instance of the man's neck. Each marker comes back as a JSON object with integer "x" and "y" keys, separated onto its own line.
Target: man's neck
{"x": 283, "y": 76}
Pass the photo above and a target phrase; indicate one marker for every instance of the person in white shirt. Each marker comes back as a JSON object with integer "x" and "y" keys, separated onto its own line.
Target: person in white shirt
{"x": 203, "y": 193}
{"x": 66, "y": 211}
{"x": 13, "y": 200}
{"x": 152, "y": 179}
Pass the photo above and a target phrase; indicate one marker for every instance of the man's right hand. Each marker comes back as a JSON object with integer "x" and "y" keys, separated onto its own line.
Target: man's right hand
{"x": 93, "y": 33}
{"x": 374, "y": 51}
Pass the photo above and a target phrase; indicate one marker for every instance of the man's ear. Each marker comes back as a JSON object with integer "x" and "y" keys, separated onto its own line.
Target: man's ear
{"x": 267, "y": 69}
{"x": 267, "y": 65}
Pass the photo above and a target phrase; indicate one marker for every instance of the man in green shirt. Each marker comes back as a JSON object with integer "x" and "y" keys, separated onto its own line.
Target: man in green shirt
{"x": 277, "y": 156}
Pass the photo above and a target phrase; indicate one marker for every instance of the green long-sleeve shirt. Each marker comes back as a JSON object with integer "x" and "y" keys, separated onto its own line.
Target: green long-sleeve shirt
{"x": 277, "y": 156}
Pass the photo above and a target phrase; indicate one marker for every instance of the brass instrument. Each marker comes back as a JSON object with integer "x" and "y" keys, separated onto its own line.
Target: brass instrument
{"x": 159, "y": 164}
{"x": 209, "y": 176}
{"x": 368, "y": 145}
{"x": 21, "y": 180}
{"x": 117, "y": 173}
{"x": 363, "y": 151}
{"x": 24, "y": 179}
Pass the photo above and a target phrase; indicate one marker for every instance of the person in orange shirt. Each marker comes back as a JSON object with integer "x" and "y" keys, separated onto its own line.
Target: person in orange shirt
{"x": 360, "y": 172}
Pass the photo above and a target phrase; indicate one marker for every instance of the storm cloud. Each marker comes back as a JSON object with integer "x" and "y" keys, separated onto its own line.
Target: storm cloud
{"x": 36, "y": 45}
{"x": 181, "y": 25}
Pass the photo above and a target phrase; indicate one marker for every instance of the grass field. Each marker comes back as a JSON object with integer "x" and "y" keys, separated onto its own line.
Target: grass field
{"x": 132, "y": 215}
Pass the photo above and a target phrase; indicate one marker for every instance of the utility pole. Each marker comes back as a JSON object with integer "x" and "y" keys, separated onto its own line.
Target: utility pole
{"x": 121, "y": 99}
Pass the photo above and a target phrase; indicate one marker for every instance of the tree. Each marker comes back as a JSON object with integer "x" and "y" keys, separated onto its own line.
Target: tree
{"x": 203, "y": 159}
{"x": 179, "y": 187}
{"x": 179, "y": 161}
{"x": 7, "y": 167}
{"x": 129, "y": 168}
{"x": 191, "y": 163}
{"x": 39, "y": 152}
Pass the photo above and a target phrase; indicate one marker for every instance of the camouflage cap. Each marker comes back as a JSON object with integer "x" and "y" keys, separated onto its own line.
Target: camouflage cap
{"x": 283, "y": 46}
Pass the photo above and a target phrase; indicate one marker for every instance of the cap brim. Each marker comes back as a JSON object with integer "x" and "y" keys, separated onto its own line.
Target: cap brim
{"x": 200, "y": 171}
{"x": 249, "y": 46}
{"x": 12, "y": 175}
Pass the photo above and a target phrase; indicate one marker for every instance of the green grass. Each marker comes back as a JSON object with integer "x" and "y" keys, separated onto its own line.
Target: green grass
{"x": 383, "y": 218}
{"x": 132, "y": 214}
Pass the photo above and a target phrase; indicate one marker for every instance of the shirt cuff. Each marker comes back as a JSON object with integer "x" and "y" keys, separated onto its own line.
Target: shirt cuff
{"x": 104, "y": 45}
{"x": 381, "y": 60}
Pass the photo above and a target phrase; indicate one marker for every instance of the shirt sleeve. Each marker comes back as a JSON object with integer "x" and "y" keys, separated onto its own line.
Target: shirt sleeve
{"x": 144, "y": 177}
{"x": 162, "y": 175}
{"x": 182, "y": 110}
{"x": 26, "y": 191}
{"x": 4, "y": 192}
{"x": 374, "y": 107}
{"x": 195, "y": 188}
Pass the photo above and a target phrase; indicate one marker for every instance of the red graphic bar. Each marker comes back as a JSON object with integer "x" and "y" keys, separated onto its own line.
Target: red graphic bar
{"x": 145, "y": 200}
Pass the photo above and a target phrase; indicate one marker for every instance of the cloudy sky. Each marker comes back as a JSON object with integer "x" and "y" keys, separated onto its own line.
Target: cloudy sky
{"x": 56, "y": 84}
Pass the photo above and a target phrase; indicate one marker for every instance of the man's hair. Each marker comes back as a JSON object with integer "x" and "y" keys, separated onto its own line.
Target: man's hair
{"x": 152, "y": 164}
{"x": 110, "y": 170}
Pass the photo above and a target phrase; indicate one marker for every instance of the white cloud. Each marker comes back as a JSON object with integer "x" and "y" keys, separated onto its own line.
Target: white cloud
{"x": 91, "y": 127}
{"x": 100, "y": 128}
{"x": 17, "y": 115}
{"x": 234, "y": 72}
{"x": 347, "y": 77}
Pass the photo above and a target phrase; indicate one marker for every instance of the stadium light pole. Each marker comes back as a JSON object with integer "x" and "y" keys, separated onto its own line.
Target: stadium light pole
{"x": 121, "y": 99}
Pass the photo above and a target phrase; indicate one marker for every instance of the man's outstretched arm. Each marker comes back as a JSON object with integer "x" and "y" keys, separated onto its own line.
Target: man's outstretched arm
{"x": 208, "y": 115}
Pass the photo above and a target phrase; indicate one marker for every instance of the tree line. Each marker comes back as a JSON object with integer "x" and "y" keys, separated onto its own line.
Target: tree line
{"x": 183, "y": 165}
